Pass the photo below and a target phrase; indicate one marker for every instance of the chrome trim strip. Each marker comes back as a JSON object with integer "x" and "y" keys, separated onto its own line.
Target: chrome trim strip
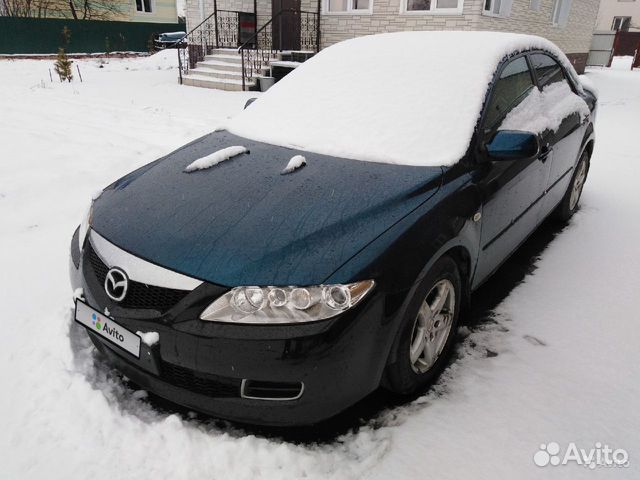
{"x": 249, "y": 397}
{"x": 138, "y": 269}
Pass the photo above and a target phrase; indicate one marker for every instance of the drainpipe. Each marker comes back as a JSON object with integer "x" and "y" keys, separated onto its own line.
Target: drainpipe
{"x": 318, "y": 27}
{"x": 280, "y": 30}
{"x": 215, "y": 21}
{"x": 255, "y": 21}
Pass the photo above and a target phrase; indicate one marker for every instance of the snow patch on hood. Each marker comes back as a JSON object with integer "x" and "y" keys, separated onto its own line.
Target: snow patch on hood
{"x": 215, "y": 158}
{"x": 545, "y": 110}
{"x": 296, "y": 162}
{"x": 408, "y": 98}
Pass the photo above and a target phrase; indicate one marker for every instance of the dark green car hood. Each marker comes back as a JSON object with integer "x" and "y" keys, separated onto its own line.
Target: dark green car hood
{"x": 244, "y": 223}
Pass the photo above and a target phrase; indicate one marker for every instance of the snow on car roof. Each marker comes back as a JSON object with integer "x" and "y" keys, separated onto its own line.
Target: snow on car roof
{"x": 410, "y": 98}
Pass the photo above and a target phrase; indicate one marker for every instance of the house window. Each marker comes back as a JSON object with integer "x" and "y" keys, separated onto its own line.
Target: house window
{"x": 433, "y": 7}
{"x": 560, "y": 16}
{"x": 349, "y": 6}
{"x": 621, "y": 24}
{"x": 534, "y": 5}
{"x": 143, "y": 6}
{"x": 418, "y": 5}
{"x": 497, "y": 8}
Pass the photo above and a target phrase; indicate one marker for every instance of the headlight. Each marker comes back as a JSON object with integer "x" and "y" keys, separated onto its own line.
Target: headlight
{"x": 84, "y": 226}
{"x": 269, "y": 305}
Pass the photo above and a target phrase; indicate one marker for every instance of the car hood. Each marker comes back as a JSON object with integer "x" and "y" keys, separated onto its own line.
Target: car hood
{"x": 242, "y": 222}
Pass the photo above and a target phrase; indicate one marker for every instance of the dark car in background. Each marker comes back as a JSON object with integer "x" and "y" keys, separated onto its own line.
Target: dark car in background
{"x": 225, "y": 282}
{"x": 171, "y": 40}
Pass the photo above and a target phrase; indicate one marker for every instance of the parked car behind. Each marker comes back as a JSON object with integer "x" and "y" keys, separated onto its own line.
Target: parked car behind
{"x": 171, "y": 40}
{"x": 327, "y": 242}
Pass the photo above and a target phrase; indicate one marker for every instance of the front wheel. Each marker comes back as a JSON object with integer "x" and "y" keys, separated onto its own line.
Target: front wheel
{"x": 428, "y": 331}
{"x": 569, "y": 204}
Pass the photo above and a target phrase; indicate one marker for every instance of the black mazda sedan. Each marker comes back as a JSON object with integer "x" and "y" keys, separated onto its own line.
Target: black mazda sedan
{"x": 326, "y": 242}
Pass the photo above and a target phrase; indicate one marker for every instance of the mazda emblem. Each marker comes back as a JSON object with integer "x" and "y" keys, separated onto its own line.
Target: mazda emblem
{"x": 116, "y": 284}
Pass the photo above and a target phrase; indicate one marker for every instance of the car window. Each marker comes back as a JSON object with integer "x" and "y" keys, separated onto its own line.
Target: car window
{"x": 512, "y": 87}
{"x": 547, "y": 69}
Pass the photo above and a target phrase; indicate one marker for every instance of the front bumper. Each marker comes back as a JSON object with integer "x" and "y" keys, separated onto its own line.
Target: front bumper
{"x": 202, "y": 365}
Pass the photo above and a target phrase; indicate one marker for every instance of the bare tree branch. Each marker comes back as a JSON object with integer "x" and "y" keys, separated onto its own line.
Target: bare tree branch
{"x": 76, "y": 9}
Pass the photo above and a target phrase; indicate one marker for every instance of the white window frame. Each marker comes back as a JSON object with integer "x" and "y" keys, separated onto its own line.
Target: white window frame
{"x": 152, "y": 4}
{"x": 433, "y": 9}
{"x": 504, "y": 12}
{"x": 556, "y": 16}
{"x": 349, "y": 11}
{"x": 622, "y": 19}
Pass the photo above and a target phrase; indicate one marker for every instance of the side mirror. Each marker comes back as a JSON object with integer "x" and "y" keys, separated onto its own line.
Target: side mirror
{"x": 249, "y": 102}
{"x": 513, "y": 145}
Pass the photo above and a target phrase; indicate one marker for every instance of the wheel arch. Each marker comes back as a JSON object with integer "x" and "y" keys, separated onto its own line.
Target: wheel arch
{"x": 461, "y": 256}
{"x": 588, "y": 148}
{"x": 588, "y": 142}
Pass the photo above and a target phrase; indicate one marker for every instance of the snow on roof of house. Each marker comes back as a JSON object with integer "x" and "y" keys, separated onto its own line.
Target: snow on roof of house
{"x": 410, "y": 98}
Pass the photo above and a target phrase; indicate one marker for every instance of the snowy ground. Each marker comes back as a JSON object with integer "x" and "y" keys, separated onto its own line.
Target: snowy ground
{"x": 559, "y": 363}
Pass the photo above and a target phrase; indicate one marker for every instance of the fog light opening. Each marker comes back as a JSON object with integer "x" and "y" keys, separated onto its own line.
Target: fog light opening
{"x": 275, "y": 391}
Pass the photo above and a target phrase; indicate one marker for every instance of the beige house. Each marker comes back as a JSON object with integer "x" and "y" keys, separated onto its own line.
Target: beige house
{"x": 145, "y": 11}
{"x": 619, "y": 15}
{"x": 156, "y": 11}
{"x": 293, "y": 25}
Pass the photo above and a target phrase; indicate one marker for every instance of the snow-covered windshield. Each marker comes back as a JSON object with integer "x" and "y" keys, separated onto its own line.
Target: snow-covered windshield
{"x": 410, "y": 98}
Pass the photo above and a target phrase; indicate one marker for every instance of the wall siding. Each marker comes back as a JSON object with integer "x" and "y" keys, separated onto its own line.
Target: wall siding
{"x": 386, "y": 17}
{"x": 574, "y": 38}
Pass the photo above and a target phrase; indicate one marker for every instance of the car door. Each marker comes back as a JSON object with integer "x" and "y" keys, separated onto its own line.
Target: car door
{"x": 511, "y": 190}
{"x": 564, "y": 142}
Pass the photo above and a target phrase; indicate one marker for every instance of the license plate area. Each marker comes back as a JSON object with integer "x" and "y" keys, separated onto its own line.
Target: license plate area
{"x": 107, "y": 328}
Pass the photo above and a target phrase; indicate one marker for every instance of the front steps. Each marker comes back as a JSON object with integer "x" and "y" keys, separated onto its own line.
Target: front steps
{"x": 222, "y": 70}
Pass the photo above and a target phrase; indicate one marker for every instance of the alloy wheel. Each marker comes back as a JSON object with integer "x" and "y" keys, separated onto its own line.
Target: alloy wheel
{"x": 432, "y": 326}
{"x": 578, "y": 183}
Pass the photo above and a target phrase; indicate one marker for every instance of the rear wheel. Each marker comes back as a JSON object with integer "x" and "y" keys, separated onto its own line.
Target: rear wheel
{"x": 428, "y": 331}
{"x": 571, "y": 199}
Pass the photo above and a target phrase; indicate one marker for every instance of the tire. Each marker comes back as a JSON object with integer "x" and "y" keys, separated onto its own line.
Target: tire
{"x": 408, "y": 374}
{"x": 571, "y": 200}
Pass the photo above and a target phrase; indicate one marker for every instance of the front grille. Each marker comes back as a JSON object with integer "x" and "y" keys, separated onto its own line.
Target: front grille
{"x": 139, "y": 295}
{"x": 99, "y": 268}
{"x": 209, "y": 385}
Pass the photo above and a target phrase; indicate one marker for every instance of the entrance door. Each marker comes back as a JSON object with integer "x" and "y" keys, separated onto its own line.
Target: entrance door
{"x": 286, "y": 26}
